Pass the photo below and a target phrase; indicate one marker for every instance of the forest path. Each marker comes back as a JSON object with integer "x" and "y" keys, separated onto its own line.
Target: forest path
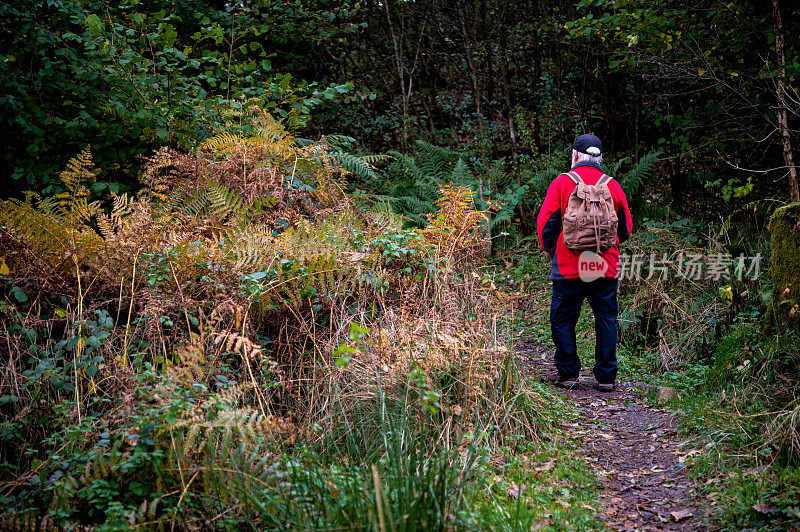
{"x": 635, "y": 451}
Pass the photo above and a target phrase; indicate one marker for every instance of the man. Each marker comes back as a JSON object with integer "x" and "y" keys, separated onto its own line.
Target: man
{"x": 571, "y": 284}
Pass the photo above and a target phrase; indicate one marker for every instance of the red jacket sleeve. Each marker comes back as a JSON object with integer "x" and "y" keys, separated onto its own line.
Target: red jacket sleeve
{"x": 625, "y": 220}
{"x": 548, "y": 223}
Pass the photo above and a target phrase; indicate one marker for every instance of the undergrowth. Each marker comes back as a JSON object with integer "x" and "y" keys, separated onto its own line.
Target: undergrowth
{"x": 735, "y": 371}
{"x": 242, "y": 344}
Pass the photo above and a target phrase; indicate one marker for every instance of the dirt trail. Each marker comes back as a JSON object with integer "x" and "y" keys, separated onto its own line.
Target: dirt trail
{"x": 636, "y": 451}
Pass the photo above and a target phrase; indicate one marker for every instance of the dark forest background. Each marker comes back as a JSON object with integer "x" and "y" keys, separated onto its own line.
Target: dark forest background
{"x": 709, "y": 84}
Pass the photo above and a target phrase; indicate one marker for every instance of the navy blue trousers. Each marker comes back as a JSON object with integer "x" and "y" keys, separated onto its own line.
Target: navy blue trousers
{"x": 565, "y": 307}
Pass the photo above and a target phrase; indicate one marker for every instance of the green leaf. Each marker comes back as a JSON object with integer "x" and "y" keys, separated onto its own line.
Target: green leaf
{"x": 19, "y": 294}
{"x": 95, "y": 25}
{"x": 169, "y": 35}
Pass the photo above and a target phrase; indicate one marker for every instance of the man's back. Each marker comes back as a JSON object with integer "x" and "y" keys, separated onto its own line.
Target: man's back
{"x": 570, "y": 287}
{"x": 565, "y": 264}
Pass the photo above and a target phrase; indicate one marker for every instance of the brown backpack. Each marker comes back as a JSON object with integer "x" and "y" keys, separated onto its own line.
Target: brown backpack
{"x": 590, "y": 221}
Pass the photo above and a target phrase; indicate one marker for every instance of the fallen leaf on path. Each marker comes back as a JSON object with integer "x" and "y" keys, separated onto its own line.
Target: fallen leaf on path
{"x": 547, "y": 467}
{"x": 680, "y": 515}
{"x": 691, "y": 452}
{"x": 764, "y": 508}
{"x": 539, "y": 525}
{"x": 565, "y": 504}
{"x": 515, "y": 490}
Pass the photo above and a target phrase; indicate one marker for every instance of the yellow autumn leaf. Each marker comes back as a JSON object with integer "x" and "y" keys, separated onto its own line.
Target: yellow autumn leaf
{"x": 4, "y": 267}
{"x": 700, "y": 71}
{"x": 726, "y": 292}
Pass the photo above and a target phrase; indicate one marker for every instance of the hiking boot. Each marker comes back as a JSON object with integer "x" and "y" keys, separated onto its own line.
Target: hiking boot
{"x": 606, "y": 386}
{"x": 570, "y": 383}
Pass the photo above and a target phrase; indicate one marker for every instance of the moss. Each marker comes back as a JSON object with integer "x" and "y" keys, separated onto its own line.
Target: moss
{"x": 784, "y": 227}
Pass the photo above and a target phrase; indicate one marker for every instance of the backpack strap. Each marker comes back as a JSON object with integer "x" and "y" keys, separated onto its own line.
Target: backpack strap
{"x": 603, "y": 180}
{"x": 575, "y": 178}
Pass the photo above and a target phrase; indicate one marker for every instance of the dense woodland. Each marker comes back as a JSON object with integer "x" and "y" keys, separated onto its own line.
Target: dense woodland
{"x": 269, "y": 264}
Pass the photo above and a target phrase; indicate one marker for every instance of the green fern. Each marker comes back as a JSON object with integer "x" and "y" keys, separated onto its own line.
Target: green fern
{"x": 633, "y": 182}
{"x": 341, "y": 141}
{"x": 642, "y": 172}
{"x": 416, "y": 180}
{"x": 357, "y": 166}
{"x": 223, "y": 202}
{"x": 215, "y": 202}
{"x": 245, "y": 245}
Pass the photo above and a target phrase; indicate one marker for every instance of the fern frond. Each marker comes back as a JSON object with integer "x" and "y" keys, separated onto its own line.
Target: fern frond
{"x": 235, "y": 343}
{"x": 79, "y": 172}
{"x": 340, "y": 141}
{"x": 222, "y": 142}
{"x": 615, "y": 168}
{"x": 353, "y": 164}
{"x": 156, "y": 175}
{"x": 110, "y": 225}
{"x": 414, "y": 204}
{"x": 222, "y": 202}
{"x": 295, "y": 120}
{"x": 231, "y": 427}
{"x": 374, "y": 159}
{"x": 248, "y": 246}
{"x": 55, "y": 238}
{"x": 461, "y": 174}
{"x": 457, "y": 229}
{"x": 191, "y": 359}
{"x": 639, "y": 174}
{"x": 272, "y": 136}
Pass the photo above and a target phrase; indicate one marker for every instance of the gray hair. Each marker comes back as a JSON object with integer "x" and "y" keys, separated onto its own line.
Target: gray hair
{"x": 585, "y": 157}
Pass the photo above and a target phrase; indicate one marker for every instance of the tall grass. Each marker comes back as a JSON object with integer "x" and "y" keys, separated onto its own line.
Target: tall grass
{"x": 211, "y": 363}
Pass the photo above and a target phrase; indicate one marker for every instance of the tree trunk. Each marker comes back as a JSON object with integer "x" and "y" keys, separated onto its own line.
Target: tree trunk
{"x": 784, "y": 267}
{"x": 486, "y": 30}
{"x": 537, "y": 76}
{"x": 512, "y": 130}
{"x": 783, "y": 115}
{"x": 401, "y": 73}
{"x": 470, "y": 63}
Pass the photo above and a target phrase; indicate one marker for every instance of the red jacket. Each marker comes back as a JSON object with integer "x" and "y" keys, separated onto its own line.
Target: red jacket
{"x": 548, "y": 223}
